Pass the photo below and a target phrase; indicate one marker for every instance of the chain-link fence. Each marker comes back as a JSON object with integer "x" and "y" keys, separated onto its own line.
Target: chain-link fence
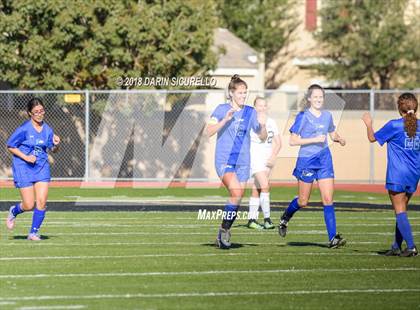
{"x": 159, "y": 135}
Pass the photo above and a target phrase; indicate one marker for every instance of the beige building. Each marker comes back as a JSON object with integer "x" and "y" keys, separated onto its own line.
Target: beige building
{"x": 304, "y": 51}
{"x": 236, "y": 57}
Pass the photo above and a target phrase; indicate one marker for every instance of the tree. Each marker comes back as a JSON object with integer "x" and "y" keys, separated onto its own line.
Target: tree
{"x": 370, "y": 43}
{"x": 266, "y": 25}
{"x": 79, "y": 44}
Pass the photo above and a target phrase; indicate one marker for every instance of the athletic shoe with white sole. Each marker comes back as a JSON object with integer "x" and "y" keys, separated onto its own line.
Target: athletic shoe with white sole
{"x": 10, "y": 220}
{"x": 268, "y": 224}
{"x": 283, "y": 227}
{"x": 34, "y": 237}
{"x": 253, "y": 224}
{"x": 409, "y": 252}
{"x": 393, "y": 252}
{"x": 223, "y": 239}
{"x": 337, "y": 242}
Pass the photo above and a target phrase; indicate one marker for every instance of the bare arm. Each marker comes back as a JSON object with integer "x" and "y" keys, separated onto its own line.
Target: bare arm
{"x": 214, "y": 126}
{"x": 337, "y": 138}
{"x": 28, "y": 158}
{"x": 274, "y": 151}
{"x": 367, "y": 119}
{"x": 296, "y": 140}
{"x": 56, "y": 141}
{"x": 262, "y": 120}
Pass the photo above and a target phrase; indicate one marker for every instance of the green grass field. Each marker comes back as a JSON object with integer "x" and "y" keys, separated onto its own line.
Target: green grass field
{"x": 166, "y": 260}
{"x": 215, "y": 194}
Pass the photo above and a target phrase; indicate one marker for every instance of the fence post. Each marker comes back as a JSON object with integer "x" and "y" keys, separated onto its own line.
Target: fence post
{"x": 372, "y": 145}
{"x": 87, "y": 109}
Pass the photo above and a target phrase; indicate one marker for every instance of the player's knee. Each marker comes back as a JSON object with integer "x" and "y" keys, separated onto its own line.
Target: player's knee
{"x": 327, "y": 201}
{"x": 265, "y": 188}
{"x": 40, "y": 204}
{"x": 237, "y": 192}
{"x": 28, "y": 205}
{"x": 302, "y": 202}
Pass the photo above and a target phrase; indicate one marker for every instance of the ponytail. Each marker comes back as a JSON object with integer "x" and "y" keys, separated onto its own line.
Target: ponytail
{"x": 235, "y": 81}
{"x": 407, "y": 106}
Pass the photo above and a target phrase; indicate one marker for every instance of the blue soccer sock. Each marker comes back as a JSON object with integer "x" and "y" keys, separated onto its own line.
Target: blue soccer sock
{"x": 329, "y": 217}
{"x": 398, "y": 238}
{"x": 37, "y": 220}
{"x": 17, "y": 209}
{"x": 229, "y": 215}
{"x": 405, "y": 229}
{"x": 291, "y": 209}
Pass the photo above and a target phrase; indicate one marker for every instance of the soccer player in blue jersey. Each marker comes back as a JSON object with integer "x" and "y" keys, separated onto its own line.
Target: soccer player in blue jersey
{"x": 29, "y": 145}
{"x": 233, "y": 122}
{"x": 403, "y": 169}
{"x": 310, "y": 131}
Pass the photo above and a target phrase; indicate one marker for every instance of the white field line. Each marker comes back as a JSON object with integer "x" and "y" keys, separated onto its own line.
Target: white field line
{"x": 198, "y": 273}
{"x": 187, "y": 226}
{"x": 52, "y": 307}
{"x": 111, "y": 217}
{"x": 256, "y": 233}
{"x": 82, "y": 257}
{"x": 210, "y": 294}
{"x": 79, "y": 244}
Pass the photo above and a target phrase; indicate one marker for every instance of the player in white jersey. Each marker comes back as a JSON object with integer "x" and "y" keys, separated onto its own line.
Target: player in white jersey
{"x": 263, "y": 157}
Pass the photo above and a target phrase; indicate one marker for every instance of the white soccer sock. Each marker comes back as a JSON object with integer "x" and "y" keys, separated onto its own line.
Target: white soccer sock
{"x": 254, "y": 204}
{"x": 265, "y": 204}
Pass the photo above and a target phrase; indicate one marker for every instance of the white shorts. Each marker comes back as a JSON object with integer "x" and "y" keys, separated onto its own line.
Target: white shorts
{"x": 259, "y": 158}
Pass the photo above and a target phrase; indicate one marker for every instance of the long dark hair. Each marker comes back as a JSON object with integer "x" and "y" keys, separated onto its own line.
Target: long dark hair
{"x": 407, "y": 106}
{"x": 32, "y": 104}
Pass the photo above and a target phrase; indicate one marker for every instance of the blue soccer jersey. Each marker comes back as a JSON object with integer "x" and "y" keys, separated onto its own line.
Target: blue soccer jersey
{"x": 314, "y": 155}
{"x": 403, "y": 165}
{"x": 31, "y": 142}
{"x": 233, "y": 139}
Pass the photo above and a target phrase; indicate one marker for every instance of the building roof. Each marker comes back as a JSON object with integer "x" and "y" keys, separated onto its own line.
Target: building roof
{"x": 233, "y": 52}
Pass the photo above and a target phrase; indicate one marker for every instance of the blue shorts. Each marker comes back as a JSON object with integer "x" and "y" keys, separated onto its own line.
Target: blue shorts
{"x": 242, "y": 171}
{"x": 310, "y": 175}
{"x": 28, "y": 184}
{"x": 399, "y": 188}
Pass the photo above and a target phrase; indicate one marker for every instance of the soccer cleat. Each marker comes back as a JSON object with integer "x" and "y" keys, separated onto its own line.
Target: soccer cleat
{"x": 268, "y": 224}
{"x": 393, "y": 252}
{"x": 10, "y": 220}
{"x": 253, "y": 224}
{"x": 34, "y": 237}
{"x": 223, "y": 239}
{"x": 409, "y": 252}
{"x": 337, "y": 242}
{"x": 283, "y": 227}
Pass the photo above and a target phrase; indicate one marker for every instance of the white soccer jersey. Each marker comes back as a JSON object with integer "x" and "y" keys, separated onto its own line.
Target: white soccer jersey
{"x": 261, "y": 150}
{"x": 272, "y": 130}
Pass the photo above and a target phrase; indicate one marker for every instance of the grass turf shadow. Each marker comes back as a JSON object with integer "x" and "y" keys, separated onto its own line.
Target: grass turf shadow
{"x": 24, "y": 237}
{"x": 233, "y": 246}
{"x": 300, "y": 244}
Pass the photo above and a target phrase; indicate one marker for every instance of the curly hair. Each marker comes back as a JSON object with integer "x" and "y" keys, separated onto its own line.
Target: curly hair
{"x": 407, "y": 106}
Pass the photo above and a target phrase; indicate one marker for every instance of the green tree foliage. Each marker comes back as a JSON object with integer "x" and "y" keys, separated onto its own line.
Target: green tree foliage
{"x": 370, "y": 43}
{"x": 79, "y": 44}
{"x": 266, "y": 25}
